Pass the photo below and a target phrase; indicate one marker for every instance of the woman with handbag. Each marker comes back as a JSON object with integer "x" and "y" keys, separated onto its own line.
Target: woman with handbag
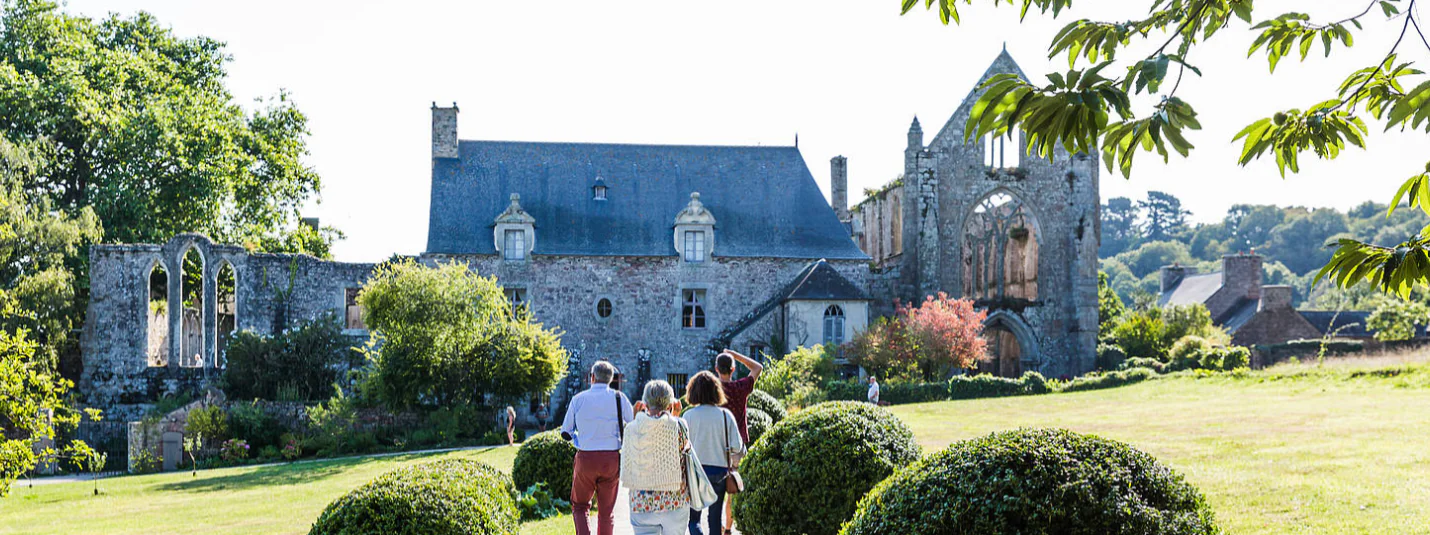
{"x": 715, "y": 436}
{"x": 653, "y": 464}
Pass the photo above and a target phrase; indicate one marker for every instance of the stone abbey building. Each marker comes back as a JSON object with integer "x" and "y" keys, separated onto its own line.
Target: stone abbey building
{"x": 654, "y": 257}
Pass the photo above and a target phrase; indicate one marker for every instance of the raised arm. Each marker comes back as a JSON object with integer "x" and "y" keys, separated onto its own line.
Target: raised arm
{"x": 754, "y": 366}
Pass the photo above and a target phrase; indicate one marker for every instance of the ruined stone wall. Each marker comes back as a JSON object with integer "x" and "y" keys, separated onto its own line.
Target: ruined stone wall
{"x": 945, "y": 181}
{"x": 645, "y": 293}
{"x": 881, "y": 219}
{"x": 120, "y": 334}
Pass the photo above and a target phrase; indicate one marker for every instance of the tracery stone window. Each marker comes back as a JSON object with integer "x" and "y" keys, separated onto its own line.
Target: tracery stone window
{"x": 833, "y": 326}
{"x": 1000, "y": 250}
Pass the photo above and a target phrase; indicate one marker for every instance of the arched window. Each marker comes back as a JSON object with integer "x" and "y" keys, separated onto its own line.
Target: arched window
{"x": 158, "y": 316}
{"x": 1000, "y": 250}
{"x": 833, "y": 326}
{"x": 191, "y": 299}
{"x": 227, "y": 316}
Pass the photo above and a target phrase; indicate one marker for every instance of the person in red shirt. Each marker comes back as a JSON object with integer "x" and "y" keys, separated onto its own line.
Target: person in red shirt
{"x": 737, "y": 393}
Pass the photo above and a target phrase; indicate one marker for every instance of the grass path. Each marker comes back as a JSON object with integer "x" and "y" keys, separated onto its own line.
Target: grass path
{"x": 1300, "y": 456}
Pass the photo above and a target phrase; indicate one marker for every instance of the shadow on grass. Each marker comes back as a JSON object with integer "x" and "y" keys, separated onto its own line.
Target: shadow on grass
{"x": 283, "y": 474}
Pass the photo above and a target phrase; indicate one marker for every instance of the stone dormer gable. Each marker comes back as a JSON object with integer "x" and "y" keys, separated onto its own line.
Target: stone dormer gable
{"x": 514, "y": 231}
{"x": 514, "y": 213}
{"x": 695, "y": 213}
{"x": 952, "y": 132}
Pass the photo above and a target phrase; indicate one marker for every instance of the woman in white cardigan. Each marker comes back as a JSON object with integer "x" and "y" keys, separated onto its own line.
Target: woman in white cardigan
{"x": 651, "y": 456}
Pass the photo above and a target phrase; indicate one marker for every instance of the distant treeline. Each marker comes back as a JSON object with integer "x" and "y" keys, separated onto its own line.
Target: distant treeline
{"x": 1138, "y": 237}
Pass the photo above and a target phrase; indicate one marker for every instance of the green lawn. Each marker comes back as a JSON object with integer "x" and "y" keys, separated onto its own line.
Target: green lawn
{"x": 1317, "y": 453}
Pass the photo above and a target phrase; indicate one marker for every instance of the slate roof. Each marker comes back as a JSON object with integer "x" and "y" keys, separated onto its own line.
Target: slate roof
{"x": 820, "y": 282}
{"x": 764, "y": 199}
{"x": 1192, "y": 290}
{"x": 1238, "y": 315}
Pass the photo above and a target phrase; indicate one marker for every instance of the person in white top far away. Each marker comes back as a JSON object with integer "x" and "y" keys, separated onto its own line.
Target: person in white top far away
{"x": 873, "y": 390}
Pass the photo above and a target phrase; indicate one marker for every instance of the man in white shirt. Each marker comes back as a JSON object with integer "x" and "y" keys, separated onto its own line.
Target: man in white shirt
{"x": 873, "y": 390}
{"x": 593, "y": 422}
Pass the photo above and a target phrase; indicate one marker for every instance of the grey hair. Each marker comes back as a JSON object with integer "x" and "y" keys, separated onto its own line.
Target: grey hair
{"x": 658, "y": 395}
{"x": 603, "y": 371}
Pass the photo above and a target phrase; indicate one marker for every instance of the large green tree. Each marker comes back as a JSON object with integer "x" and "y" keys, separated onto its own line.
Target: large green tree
{"x": 1092, "y": 109}
{"x": 146, "y": 134}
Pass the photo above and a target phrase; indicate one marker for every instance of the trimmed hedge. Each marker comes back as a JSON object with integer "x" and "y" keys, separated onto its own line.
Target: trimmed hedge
{"x": 1144, "y": 362}
{"x": 808, "y": 473}
{"x": 453, "y": 496}
{"x": 757, "y": 422}
{"x": 759, "y": 399}
{"x": 1035, "y": 481}
{"x": 991, "y": 386}
{"x": 1098, "y": 381}
{"x": 545, "y": 458}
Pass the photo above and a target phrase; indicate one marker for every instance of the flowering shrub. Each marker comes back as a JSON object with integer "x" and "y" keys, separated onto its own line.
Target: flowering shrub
{"x": 234, "y": 450}
{"x": 292, "y": 447}
{"x": 926, "y": 342}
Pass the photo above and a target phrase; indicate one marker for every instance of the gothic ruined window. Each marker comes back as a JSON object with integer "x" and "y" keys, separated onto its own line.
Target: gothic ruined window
{"x": 833, "y": 326}
{"x": 1000, "y": 152}
{"x": 227, "y": 318}
{"x": 603, "y": 308}
{"x": 692, "y": 310}
{"x": 514, "y": 244}
{"x": 158, "y": 315}
{"x": 1000, "y": 250}
{"x": 191, "y": 300}
{"x": 516, "y": 298}
{"x": 352, "y": 311}
{"x": 694, "y": 246}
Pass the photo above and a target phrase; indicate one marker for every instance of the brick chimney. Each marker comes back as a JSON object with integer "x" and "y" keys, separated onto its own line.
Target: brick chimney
{"x": 444, "y": 131}
{"x": 1173, "y": 275}
{"x": 839, "y": 186}
{"x": 1276, "y": 297}
{"x": 1241, "y": 275}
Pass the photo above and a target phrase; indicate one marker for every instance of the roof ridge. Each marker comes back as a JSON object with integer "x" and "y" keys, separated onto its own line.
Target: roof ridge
{"x": 626, "y": 144}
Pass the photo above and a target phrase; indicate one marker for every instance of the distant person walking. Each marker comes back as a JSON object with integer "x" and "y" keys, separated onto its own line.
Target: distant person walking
{"x": 542, "y": 416}
{"x": 594, "y": 422}
{"x": 737, "y": 395}
{"x": 715, "y": 435}
{"x": 510, "y": 414}
{"x": 873, "y": 390}
{"x": 651, "y": 464}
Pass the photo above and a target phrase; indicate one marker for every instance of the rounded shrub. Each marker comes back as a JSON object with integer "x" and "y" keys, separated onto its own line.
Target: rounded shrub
{"x": 1187, "y": 352}
{"x": 453, "y": 496}
{"x": 759, "y": 399}
{"x": 544, "y": 458}
{"x": 1035, "y": 481}
{"x": 757, "y": 423}
{"x": 809, "y": 471}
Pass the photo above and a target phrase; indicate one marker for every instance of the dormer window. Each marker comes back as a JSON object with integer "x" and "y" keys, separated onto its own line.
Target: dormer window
{"x": 515, "y": 232}
{"x": 999, "y": 153}
{"x": 694, "y": 232}
{"x": 694, "y": 246}
{"x": 598, "y": 191}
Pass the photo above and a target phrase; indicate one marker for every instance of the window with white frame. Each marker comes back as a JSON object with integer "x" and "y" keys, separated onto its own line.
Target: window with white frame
{"x": 694, "y": 246}
{"x": 514, "y": 244}
{"x": 692, "y": 310}
{"x": 833, "y": 326}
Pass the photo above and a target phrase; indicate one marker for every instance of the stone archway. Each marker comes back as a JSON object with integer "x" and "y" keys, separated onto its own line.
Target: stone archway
{"x": 1012, "y": 347}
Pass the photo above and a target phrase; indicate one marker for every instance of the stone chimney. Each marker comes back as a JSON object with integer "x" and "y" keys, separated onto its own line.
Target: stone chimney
{"x": 1241, "y": 275}
{"x": 839, "y": 186}
{"x": 1276, "y": 297}
{"x": 1173, "y": 275}
{"x": 444, "y": 131}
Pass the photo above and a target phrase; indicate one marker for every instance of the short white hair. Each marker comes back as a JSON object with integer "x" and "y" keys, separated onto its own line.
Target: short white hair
{"x": 658, "y": 395}
{"x": 603, "y": 371}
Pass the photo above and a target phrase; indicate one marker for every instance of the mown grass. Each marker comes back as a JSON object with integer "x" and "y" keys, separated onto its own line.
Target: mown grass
{"x": 1339, "y": 448}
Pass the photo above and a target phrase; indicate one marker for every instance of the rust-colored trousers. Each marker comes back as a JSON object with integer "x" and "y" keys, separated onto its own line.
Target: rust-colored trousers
{"x": 598, "y": 473}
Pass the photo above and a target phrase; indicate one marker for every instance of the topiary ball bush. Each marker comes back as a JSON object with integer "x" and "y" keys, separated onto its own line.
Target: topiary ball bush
{"x": 545, "y": 458}
{"x": 453, "y": 496}
{"x": 757, "y": 422}
{"x": 1035, "y": 481}
{"x": 759, "y": 399}
{"x": 808, "y": 472}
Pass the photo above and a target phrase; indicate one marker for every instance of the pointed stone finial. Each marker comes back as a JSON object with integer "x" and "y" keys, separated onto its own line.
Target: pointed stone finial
{"x": 1005, "y": 46}
{"x": 515, "y": 213}
{"x": 695, "y": 213}
{"x": 916, "y": 135}
{"x": 915, "y": 127}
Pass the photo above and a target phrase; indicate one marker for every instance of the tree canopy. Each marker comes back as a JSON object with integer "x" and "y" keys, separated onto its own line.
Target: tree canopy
{"x": 1092, "y": 109}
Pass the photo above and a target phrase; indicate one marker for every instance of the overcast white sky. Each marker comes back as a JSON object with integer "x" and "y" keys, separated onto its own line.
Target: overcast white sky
{"x": 846, "y": 75}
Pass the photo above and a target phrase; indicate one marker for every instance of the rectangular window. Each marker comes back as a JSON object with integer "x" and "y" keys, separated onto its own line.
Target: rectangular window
{"x": 694, "y": 246}
{"x": 514, "y": 244}
{"x": 352, "y": 311}
{"x": 692, "y": 310}
{"x": 677, "y": 382}
{"x": 759, "y": 351}
{"x": 516, "y": 297}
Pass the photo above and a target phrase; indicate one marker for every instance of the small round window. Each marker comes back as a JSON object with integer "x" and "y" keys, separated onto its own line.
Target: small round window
{"x": 603, "y": 308}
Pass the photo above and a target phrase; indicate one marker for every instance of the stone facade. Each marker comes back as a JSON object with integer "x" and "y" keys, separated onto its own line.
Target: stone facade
{"x": 1018, "y": 235}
